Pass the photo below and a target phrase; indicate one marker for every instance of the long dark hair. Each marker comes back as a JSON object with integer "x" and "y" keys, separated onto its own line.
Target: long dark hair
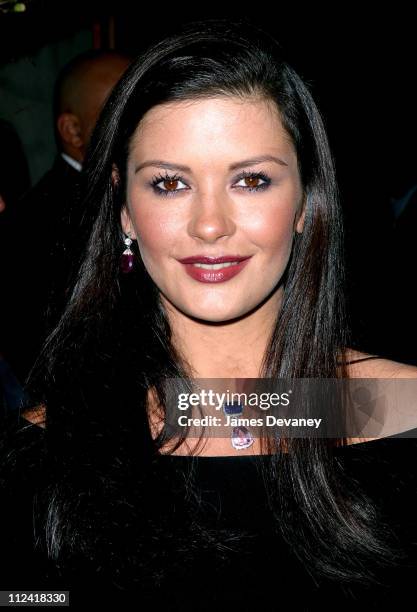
{"x": 113, "y": 342}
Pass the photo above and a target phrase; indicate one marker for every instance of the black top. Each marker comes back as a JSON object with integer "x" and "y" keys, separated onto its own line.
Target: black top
{"x": 258, "y": 570}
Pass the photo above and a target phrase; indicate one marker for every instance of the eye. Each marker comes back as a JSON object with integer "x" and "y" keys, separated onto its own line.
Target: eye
{"x": 169, "y": 184}
{"x": 251, "y": 181}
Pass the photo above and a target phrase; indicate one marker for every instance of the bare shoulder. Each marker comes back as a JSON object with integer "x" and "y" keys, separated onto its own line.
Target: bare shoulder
{"x": 35, "y": 415}
{"x": 377, "y": 368}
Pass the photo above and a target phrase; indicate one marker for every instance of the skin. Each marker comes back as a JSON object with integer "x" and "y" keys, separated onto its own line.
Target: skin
{"x": 216, "y": 215}
{"x": 82, "y": 100}
{"x": 221, "y": 330}
{"x": 210, "y": 212}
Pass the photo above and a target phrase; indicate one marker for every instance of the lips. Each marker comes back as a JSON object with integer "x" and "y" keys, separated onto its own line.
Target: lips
{"x": 206, "y": 259}
{"x": 217, "y": 274}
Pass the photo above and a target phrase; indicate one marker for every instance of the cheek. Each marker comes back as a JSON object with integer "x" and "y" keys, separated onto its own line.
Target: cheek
{"x": 272, "y": 231}
{"x": 155, "y": 234}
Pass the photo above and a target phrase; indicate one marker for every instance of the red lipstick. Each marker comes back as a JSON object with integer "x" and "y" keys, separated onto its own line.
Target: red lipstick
{"x": 217, "y": 275}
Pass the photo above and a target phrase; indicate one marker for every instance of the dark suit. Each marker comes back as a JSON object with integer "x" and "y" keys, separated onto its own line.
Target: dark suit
{"x": 35, "y": 244}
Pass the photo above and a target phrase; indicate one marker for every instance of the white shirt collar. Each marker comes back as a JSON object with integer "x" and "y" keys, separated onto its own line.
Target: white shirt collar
{"x": 72, "y": 162}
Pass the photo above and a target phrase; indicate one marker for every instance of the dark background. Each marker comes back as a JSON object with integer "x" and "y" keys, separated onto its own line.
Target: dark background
{"x": 361, "y": 69}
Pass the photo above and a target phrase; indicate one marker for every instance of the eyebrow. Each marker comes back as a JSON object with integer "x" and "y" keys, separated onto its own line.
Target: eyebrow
{"x": 158, "y": 163}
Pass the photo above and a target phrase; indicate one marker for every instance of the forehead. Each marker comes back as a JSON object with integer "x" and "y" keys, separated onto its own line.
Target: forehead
{"x": 212, "y": 126}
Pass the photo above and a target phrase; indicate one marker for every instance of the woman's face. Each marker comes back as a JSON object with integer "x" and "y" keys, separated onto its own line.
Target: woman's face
{"x": 213, "y": 177}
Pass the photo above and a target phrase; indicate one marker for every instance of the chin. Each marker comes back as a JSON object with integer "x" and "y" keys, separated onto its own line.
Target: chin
{"x": 209, "y": 312}
{"x": 214, "y": 315}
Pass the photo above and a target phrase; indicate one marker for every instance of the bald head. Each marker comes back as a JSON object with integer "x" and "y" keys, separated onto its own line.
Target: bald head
{"x": 80, "y": 93}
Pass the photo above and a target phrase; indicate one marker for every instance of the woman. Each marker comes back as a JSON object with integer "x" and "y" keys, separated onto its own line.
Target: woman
{"x": 211, "y": 146}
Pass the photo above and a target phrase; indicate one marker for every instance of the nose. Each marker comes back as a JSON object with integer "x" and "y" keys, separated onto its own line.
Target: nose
{"x": 211, "y": 218}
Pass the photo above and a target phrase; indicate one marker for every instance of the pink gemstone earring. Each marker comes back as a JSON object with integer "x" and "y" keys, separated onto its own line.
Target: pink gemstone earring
{"x": 127, "y": 258}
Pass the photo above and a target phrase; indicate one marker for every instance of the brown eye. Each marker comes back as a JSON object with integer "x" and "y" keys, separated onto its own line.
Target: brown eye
{"x": 252, "y": 181}
{"x": 171, "y": 185}
{"x": 168, "y": 185}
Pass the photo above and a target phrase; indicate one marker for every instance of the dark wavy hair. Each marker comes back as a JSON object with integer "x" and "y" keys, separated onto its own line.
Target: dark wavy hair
{"x": 113, "y": 341}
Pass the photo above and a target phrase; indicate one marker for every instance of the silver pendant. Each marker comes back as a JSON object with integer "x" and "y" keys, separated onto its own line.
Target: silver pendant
{"x": 241, "y": 437}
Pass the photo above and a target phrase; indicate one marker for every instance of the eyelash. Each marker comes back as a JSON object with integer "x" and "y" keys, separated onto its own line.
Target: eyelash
{"x": 177, "y": 177}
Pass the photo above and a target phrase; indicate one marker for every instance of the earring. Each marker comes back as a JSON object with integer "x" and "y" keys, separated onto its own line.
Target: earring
{"x": 127, "y": 258}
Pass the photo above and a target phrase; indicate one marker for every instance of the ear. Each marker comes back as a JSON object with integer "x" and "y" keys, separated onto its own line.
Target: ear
{"x": 300, "y": 216}
{"x": 115, "y": 176}
{"x": 69, "y": 128}
{"x": 126, "y": 223}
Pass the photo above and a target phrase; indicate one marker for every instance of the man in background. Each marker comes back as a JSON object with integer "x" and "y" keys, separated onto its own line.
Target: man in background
{"x": 37, "y": 233}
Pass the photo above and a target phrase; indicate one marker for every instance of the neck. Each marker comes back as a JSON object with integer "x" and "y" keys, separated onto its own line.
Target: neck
{"x": 234, "y": 349}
